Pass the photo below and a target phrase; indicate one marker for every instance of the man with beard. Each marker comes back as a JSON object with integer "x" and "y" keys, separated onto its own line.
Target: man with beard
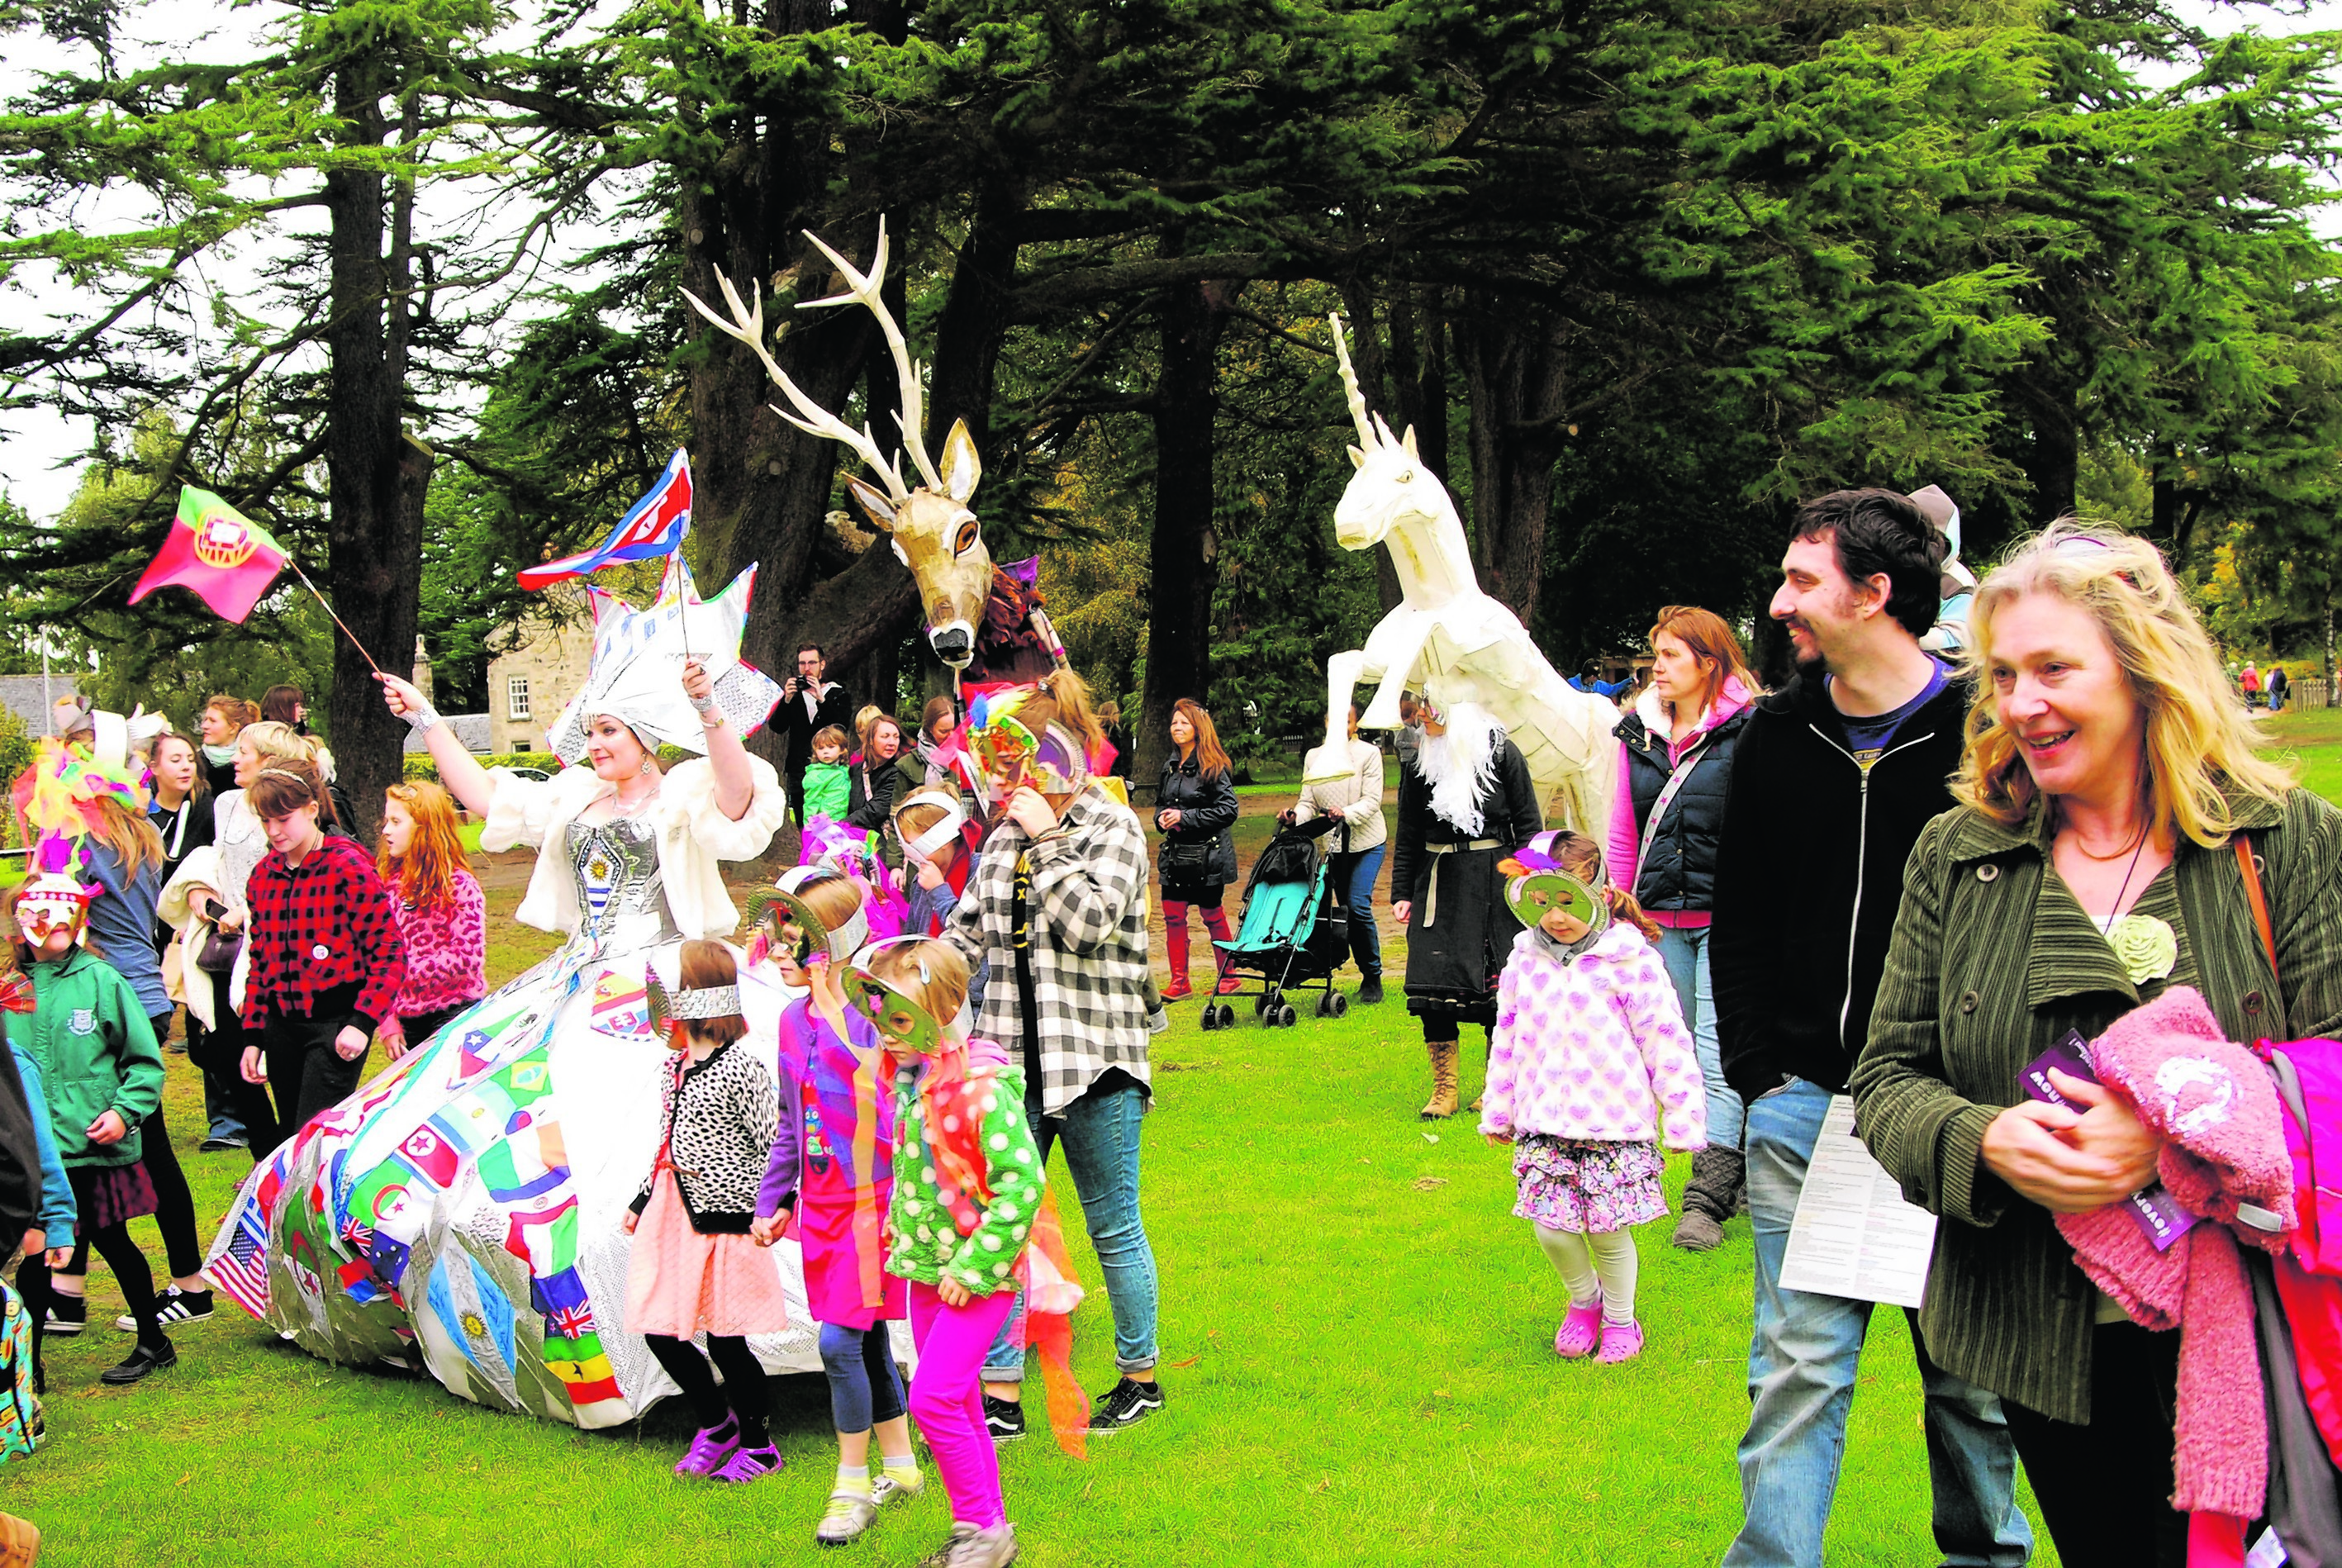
{"x": 1465, "y": 802}
{"x": 1834, "y": 776}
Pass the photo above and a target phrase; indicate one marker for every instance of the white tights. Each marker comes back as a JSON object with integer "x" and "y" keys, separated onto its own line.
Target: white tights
{"x": 1601, "y": 1262}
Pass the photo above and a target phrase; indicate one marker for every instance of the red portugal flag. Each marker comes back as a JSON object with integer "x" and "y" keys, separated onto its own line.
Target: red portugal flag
{"x": 224, "y": 557}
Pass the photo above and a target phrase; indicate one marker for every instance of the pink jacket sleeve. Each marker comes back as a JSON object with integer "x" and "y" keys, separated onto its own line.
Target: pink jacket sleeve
{"x": 1623, "y": 839}
{"x": 1504, "y": 1053}
{"x": 1654, "y": 1015}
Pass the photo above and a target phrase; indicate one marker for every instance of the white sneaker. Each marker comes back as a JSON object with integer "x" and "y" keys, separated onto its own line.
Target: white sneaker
{"x": 176, "y": 1307}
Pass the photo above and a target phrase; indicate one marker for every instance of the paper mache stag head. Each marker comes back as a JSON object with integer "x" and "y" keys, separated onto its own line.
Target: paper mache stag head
{"x": 931, "y": 529}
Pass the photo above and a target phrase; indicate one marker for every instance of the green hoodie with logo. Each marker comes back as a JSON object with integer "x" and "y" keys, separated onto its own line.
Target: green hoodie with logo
{"x": 95, "y": 1051}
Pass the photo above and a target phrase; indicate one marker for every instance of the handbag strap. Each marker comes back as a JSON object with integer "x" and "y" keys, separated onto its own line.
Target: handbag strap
{"x": 1679, "y": 774}
{"x": 2259, "y": 901}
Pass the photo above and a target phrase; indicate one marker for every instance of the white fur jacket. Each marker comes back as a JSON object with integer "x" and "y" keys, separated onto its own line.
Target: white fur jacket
{"x": 694, "y": 836}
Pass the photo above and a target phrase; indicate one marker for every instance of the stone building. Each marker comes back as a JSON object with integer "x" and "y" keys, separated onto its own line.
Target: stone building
{"x": 543, "y": 668}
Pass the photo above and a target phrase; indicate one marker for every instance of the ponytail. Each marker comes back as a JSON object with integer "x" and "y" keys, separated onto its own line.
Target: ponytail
{"x": 1623, "y": 907}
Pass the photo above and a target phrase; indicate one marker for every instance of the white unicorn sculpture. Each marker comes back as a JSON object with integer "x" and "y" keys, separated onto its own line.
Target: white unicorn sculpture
{"x": 1447, "y": 639}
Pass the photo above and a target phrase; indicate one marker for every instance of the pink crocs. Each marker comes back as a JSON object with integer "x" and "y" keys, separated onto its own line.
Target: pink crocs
{"x": 1580, "y": 1332}
{"x": 1619, "y": 1343}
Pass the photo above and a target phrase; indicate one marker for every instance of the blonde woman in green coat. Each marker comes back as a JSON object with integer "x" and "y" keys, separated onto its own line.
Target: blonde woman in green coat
{"x": 2090, "y": 865}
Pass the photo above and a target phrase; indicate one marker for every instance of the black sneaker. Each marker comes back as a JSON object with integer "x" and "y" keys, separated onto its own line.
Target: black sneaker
{"x": 175, "y": 1307}
{"x": 1004, "y": 1418}
{"x": 143, "y": 1358}
{"x": 223, "y": 1146}
{"x": 1125, "y": 1404}
{"x": 68, "y": 1315}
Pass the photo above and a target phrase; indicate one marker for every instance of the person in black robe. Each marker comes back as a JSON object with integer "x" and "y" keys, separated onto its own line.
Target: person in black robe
{"x": 1465, "y": 802}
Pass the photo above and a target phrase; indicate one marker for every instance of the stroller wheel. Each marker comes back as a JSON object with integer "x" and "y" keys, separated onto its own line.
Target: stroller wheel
{"x": 1338, "y": 1005}
{"x": 1227, "y": 1016}
{"x": 1210, "y": 1018}
{"x": 1260, "y": 1003}
{"x": 1285, "y": 1016}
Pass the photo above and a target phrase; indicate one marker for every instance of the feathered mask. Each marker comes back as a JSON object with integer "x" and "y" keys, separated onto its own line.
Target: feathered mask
{"x": 1542, "y": 885}
{"x": 1013, "y": 754}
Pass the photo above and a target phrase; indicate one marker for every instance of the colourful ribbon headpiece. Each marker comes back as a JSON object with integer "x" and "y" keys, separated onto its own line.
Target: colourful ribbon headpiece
{"x": 64, "y": 790}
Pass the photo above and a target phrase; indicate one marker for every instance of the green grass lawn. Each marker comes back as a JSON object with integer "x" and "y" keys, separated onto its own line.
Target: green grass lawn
{"x": 1356, "y": 1338}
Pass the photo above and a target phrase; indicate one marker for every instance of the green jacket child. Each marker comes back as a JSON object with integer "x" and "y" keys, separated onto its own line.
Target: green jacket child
{"x": 95, "y": 1051}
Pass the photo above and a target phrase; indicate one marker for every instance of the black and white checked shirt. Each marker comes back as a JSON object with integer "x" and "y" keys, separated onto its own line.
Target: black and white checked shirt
{"x": 1088, "y": 932}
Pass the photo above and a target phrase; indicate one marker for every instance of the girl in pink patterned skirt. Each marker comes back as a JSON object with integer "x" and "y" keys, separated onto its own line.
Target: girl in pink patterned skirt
{"x": 694, "y": 1268}
{"x": 1589, "y": 1063}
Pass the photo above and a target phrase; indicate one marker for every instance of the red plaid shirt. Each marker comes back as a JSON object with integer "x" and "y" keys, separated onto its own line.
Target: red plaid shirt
{"x": 328, "y": 922}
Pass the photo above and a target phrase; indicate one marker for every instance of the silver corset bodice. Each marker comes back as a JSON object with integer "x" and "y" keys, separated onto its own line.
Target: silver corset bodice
{"x": 621, "y": 898}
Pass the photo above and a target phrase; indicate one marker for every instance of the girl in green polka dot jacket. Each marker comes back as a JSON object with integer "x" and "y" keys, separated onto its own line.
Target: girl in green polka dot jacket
{"x": 970, "y": 1217}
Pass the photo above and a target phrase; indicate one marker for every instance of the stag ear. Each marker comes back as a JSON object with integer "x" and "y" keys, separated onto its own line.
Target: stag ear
{"x": 875, "y": 504}
{"x": 962, "y": 466}
{"x": 1357, "y": 458}
{"x": 1407, "y": 441}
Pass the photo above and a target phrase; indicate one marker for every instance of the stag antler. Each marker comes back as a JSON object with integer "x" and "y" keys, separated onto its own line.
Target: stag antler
{"x": 747, "y": 325}
{"x": 861, "y": 288}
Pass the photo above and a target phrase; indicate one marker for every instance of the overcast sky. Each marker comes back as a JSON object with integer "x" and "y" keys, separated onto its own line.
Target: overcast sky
{"x": 38, "y": 469}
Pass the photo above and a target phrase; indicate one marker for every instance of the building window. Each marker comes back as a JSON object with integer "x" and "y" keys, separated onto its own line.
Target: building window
{"x": 516, "y": 696}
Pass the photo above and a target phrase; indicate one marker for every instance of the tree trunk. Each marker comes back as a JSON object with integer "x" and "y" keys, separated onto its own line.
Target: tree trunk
{"x": 377, "y": 477}
{"x": 1183, "y": 574}
{"x": 1516, "y": 376}
{"x": 2053, "y": 459}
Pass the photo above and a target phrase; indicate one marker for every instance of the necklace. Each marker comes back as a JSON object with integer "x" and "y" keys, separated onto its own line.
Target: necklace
{"x": 622, "y": 806}
{"x": 2115, "y": 914}
{"x": 2131, "y": 849}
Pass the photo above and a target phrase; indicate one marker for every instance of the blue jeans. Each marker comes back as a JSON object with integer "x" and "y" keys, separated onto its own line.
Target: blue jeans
{"x": 1684, "y": 953}
{"x": 1100, "y": 1135}
{"x": 1803, "y": 1360}
{"x": 1355, "y": 873}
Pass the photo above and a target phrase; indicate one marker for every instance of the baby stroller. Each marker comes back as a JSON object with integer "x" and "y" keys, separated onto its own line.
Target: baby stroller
{"x": 1295, "y": 933}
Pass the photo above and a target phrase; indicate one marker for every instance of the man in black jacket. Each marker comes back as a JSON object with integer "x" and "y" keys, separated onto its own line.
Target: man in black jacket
{"x": 1834, "y": 778}
{"x": 809, "y": 706}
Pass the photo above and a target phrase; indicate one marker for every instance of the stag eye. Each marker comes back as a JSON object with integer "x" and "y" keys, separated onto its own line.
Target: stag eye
{"x": 900, "y": 554}
{"x": 968, "y": 533}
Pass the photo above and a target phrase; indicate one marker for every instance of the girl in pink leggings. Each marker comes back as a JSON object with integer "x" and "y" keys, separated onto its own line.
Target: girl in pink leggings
{"x": 969, "y": 1194}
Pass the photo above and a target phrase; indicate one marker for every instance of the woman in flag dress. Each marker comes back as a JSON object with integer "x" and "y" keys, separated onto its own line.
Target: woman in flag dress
{"x": 463, "y": 1210}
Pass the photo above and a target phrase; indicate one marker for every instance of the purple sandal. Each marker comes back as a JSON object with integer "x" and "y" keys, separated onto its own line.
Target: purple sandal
{"x": 751, "y": 1464}
{"x": 710, "y": 1449}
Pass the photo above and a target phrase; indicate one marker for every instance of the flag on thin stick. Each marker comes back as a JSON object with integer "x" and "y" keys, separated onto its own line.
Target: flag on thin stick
{"x": 653, "y": 526}
{"x": 227, "y": 558}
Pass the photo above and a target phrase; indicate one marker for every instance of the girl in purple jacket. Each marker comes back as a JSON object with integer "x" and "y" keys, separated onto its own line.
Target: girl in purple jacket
{"x": 829, "y": 1184}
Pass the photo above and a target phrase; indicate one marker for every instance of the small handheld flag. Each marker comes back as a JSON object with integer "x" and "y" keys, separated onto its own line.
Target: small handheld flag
{"x": 653, "y": 526}
{"x": 227, "y": 559}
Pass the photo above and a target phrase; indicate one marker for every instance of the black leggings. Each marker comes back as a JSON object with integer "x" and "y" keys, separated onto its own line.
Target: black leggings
{"x": 744, "y": 1394}
{"x": 130, "y": 1271}
{"x": 1445, "y": 1028}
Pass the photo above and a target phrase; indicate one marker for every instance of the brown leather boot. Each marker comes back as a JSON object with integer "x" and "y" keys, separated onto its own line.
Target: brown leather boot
{"x": 1442, "y": 1104}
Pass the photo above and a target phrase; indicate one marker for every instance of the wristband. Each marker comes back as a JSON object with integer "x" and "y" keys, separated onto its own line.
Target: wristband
{"x": 422, "y": 718}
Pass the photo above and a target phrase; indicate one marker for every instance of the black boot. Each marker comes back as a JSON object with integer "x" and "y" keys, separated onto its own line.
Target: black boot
{"x": 1370, "y": 989}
